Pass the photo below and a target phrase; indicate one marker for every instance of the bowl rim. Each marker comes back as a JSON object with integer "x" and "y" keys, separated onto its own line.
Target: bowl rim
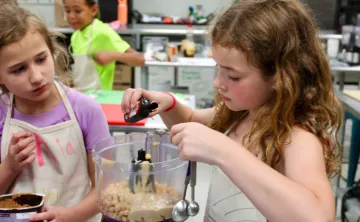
{"x": 24, "y": 208}
{"x": 97, "y": 158}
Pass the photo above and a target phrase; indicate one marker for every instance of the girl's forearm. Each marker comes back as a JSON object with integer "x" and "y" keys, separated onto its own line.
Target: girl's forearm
{"x": 7, "y": 177}
{"x": 130, "y": 57}
{"x": 87, "y": 208}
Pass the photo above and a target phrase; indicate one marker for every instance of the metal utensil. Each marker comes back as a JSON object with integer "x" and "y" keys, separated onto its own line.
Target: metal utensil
{"x": 179, "y": 213}
{"x": 193, "y": 207}
{"x": 160, "y": 132}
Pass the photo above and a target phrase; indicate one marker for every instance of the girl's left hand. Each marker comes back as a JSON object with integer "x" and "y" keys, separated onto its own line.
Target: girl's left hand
{"x": 197, "y": 142}
{"x": 104, "y": 58}
{"x": 55, "y": 214}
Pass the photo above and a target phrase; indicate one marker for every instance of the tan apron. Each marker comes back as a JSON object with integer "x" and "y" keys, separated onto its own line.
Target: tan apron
{"x": 60, "y": 170}
{"x": 226, "y": 202}
{"x": 85, "y": 74}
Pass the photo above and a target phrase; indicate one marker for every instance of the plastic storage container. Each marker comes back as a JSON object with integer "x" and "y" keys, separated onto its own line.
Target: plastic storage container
{"x": 128, "y": 193}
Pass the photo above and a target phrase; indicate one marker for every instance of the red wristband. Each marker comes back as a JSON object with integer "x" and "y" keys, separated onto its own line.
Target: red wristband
{"x": 173, "y": 104}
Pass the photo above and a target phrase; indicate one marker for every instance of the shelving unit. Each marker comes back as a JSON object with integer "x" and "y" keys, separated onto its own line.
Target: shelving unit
{"x": 347, "y": 11}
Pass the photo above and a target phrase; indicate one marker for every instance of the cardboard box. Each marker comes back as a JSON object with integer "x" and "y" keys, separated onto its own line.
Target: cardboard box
{"x": 123, "y": 74}
{"x": 121, "y": 86}
{"x": 60, "y": 15}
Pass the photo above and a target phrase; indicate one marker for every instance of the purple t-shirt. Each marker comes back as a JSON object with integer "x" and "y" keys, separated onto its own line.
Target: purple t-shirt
{"x": 88, "y": 112}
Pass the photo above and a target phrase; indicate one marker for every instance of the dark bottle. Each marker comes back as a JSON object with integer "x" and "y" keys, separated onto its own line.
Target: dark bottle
{"x": 353, "y": 50}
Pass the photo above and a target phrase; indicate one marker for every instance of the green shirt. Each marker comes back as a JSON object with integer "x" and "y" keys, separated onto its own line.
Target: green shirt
{"x": 103, "y": 38}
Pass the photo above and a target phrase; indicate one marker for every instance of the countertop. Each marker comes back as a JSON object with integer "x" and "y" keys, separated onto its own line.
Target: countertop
{"x": 154, "y": 29}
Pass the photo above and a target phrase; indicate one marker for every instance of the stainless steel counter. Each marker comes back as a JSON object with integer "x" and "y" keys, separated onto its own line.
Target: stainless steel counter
{"x": 138, "y": 30}
{"x": 176, "y": 30}
{"x": 185, "y": 62}
{"x": 345, "y": 69}
{"x": 330, "y": 36}
{"x": 148, "y": 30}
{"x": 350, "y": 105}
{"x": 339, "y": 73}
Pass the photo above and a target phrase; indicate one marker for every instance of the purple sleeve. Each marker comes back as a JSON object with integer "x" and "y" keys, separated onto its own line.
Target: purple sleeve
{"x": 92, "y": 120}
{"x": 2, "y": 119}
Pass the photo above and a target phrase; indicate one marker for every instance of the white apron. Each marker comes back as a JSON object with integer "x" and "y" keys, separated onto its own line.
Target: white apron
{"x": 60, "y": 170}
{"x": 85, "y": 74}
{"x": 226, "y": 202}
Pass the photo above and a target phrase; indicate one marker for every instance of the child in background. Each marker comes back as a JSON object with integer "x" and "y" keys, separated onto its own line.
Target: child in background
{"x": 93, "y": 37}
{"x": 270, "y": 135}
{"x": 48, "y": 130}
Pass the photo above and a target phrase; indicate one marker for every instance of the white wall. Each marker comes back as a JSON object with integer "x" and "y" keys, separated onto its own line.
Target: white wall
{"x": 42, "y": 8}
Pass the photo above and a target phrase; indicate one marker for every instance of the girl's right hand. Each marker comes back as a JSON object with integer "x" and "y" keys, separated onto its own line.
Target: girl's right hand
{"x": 132, "y": 96}
{"x": 20, "y": 152}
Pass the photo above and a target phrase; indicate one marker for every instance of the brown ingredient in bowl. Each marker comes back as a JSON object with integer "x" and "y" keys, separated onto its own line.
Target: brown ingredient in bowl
{"x": 119, "y": 203}
{"x": 11, "y": 204}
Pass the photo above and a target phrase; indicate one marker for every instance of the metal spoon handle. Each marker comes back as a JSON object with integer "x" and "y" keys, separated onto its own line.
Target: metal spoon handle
{"x": 193, "y": 179}
{"x": 185, "y": 190}
{"x": 193, "y": 173}
{"x": 192, "y": 194}
{"x": 187, "y": 180}
{"x": 188, "y": 174}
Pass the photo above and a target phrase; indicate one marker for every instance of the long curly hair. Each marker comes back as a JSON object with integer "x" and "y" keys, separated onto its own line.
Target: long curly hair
{"x": 280, "y": 38}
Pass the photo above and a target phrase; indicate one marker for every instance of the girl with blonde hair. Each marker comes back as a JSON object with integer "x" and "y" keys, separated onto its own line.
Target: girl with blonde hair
{"x": 270, "y": 135}
{"x": 47, "y": 129}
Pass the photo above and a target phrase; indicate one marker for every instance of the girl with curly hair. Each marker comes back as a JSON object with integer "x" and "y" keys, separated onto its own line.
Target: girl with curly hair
{"x": 271, "y": 135}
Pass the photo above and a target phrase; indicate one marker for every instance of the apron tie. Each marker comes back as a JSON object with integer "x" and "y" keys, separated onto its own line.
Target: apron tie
{"x": 38, "y": 152}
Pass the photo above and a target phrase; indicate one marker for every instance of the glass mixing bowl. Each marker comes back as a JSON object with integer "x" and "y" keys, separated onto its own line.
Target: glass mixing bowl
{"x": 139, "y": 177}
